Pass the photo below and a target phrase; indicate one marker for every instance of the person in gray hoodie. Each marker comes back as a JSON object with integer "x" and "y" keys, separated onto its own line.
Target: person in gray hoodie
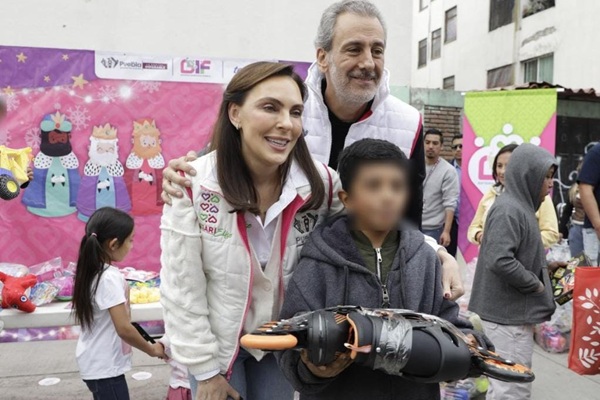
{"x": 366, "y": 259}
{"x": 511, "y": 289}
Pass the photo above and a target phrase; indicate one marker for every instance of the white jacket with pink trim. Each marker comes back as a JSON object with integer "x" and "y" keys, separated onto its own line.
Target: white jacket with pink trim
{"x": 207, "y": 265}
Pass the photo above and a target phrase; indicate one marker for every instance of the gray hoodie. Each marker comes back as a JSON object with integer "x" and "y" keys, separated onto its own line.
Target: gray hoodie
{"x": 332, "y": 272}
{"x": 512, "y": 261}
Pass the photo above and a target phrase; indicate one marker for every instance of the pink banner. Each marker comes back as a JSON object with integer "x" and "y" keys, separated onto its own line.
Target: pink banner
{"x": 492, "y": 120}
{"x": 103, "y": 142}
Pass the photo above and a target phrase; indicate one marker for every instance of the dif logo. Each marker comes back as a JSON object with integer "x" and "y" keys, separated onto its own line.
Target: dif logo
{"x": 195, "y": 67}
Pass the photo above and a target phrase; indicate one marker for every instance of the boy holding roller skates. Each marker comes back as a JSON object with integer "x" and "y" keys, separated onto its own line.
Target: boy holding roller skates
{"x": 366, "y": 259}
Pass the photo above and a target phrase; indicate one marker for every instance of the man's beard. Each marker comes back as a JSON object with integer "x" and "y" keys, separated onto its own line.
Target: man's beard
{"x": 54, "y": 149}
{"x": 103, "y": 159}
{"x": 342, "y": 85}
{"x": 145, "y": 153}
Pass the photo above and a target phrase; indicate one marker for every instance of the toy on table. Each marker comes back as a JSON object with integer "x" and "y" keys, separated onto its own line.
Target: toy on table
{"x": 144, "y": 292}
{"x": 43, "y": 293}
{"x": 144, "y": 285}
{"x": 48, "y": 270}
{"x": 14, "y": 292}
{"x": 65, "y": 285}
{"x": 417, "y": 346}
{"x": 13, "y": 171}
{"x": 138, "y": 275}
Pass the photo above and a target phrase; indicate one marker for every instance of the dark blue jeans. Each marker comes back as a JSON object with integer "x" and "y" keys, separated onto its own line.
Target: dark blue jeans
{"x": 109, "y": 388}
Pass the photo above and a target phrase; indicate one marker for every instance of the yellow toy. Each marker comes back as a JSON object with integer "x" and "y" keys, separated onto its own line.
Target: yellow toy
{"x": 13, "y": 171}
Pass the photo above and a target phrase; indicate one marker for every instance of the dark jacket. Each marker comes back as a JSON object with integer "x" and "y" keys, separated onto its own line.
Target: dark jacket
{"x": 512, "y": 260}
{"x": 332, "y": 272}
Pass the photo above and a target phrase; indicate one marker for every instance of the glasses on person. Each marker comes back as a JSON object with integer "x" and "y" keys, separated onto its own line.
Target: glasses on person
{"x": 456, "y": 146}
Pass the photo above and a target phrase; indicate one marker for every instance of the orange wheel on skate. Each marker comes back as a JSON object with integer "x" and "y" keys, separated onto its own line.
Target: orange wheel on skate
{"x": 269, "y": 342}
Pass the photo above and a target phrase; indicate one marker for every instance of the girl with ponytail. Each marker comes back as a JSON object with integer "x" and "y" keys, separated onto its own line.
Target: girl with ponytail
{"x": 101, "y": 306}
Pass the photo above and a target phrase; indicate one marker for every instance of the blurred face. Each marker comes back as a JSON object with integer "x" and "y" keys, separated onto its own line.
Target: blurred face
{"x": 270, "y": 121}
{"x": 118, "y": 251}
{"x": 501, "y": 167}
{"x": 433, "y": 146}
{"x": 378, "y": 196}
{"x": 457, "y": 149}
{"x": 354, "y": 65}
{"x": 548, "y": 183}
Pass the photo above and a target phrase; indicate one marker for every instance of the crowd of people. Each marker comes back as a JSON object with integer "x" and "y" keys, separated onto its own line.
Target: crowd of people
{"x": 320, "y": 193}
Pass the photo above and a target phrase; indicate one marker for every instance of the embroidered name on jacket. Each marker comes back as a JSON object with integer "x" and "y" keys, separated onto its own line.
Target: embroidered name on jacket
{"x": 208, "y": 211}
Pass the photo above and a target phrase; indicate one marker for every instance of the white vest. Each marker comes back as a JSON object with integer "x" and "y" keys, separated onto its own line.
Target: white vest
{"x": 390, "y": 119}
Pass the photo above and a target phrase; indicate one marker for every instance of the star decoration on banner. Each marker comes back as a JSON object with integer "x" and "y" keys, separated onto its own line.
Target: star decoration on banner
{"x": 65, "y": 57}
{"x": 78, "y": 81}
{"x": 21, "y": 58}
{"x": 47, "y": 78}
{"x": 8, "y": 91}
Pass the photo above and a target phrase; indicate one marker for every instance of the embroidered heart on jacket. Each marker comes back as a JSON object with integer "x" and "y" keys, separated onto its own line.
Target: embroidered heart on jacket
{"x": 212, "y": 219}
{"x": 206, "y": 196}
{"x": 214, "y": 209}
{"x": 204, "y": 206}
{"x": 203, "y": 217}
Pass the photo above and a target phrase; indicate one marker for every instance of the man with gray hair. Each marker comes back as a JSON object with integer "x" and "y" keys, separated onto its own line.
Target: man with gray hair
{"x": 349, "y": 99}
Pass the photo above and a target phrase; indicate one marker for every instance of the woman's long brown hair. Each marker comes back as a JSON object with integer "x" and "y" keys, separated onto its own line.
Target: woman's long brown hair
{"x": 232, "y": 171}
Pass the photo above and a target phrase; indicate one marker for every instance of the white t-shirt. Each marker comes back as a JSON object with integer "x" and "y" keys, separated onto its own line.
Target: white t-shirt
{"x": 100, "y": 351}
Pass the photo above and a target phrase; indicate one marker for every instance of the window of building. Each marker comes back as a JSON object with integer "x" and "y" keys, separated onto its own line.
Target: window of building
{"x": 531, "y": 7}
{"x": 501, "y": 13}
{"x": 448, "y": 83}
{"x": 436, "y": 44}
{"x": 423, "y": 4}
{"x": 423, "y": 53}
{"x": 500, "y": 77}
{"x": 539, "y": 69}
{"x": 450, "y": 31}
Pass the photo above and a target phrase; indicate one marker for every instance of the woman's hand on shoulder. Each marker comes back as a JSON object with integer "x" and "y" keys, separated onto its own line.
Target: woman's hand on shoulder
{"x": 171, "y": 176}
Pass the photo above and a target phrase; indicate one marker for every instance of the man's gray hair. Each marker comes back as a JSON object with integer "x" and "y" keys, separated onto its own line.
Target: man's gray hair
{"x": 363, "y": 8}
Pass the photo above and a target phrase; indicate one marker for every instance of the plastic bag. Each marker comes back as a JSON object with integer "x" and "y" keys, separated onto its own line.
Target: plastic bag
{"x": 559, "y": 252}
{"x": 65, "y": 287}
{"x": 43, "y": 293}
{"x": 48, "y": 270}
{"x": 551, "y": 339}
{"x": 132, "y": 274}
{"x": 562, "y": 319}
{"x": 12, "y": 269}
{"x": 465, "y": 389}
{"x": 585, "y": 336}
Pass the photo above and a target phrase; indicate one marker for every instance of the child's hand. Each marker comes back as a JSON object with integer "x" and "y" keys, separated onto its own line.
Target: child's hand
{"x": 554, "y": 265}
{"x": 158, "y": 350}
{"x": 329, "y": 370}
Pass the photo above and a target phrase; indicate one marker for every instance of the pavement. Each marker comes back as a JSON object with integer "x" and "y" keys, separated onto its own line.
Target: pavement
{"x": 23, "y": 365}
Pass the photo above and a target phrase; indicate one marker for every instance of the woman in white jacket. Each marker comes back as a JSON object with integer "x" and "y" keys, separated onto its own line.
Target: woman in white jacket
{"x": 230, "y": 244}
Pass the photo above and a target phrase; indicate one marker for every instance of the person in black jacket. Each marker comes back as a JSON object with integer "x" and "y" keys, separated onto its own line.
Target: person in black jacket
{"x": 365, "y": 259}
